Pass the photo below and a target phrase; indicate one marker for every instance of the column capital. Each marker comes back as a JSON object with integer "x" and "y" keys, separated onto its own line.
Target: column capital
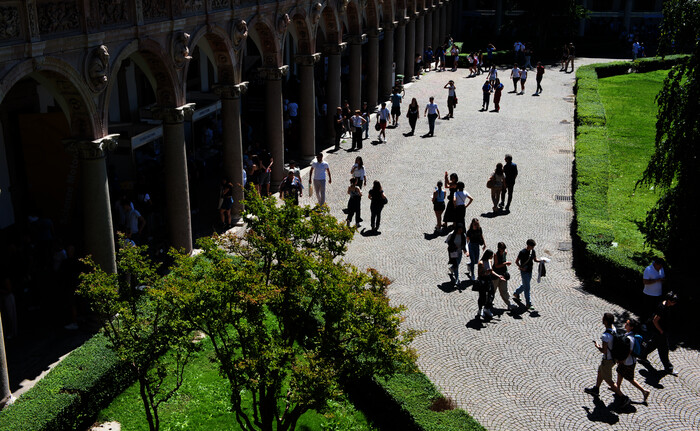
{"x": 335, "y": 48}
{"x": 403, "y": 20}
{"x": 307, "y": 60}
{"x": 374, "y": 32}
{"x": 357, "y": 39}
{"x": 91, "y": 150}
{"x": 273, "y": 73}
{"x": 231, "y": 91}
{"x": 390, "y": 25}
{"x": 170, "y": 115}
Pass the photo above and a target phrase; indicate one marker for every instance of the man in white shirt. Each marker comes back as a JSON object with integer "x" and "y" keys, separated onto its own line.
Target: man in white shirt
{"x": 432, "y": 112}
{"x": 653, "y": 279}
{"x": 319, "y": 170}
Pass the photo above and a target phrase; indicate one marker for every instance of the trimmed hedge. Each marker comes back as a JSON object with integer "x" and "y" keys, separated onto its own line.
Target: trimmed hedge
{"x": 594, "y": 254}
{"x": 72, "y": 393}
{"x": 409, "y": 402}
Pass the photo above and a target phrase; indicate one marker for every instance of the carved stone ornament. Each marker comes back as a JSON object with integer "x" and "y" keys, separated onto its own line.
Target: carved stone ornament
{"x": 32, "y": 19}
{"x": 233, "y": 91}
{"x": 90, "y": 150}
{"x": 282, "y": 23}
{"x": 191, "y": 6}
{"x": 173, "y": 115}
{"x": 9, "y": 23}
{"x": 316, "y": 13}
{"x": 58, "y": 17}
{"x": 219, "y": 4}
{"x": 113, "y": 12}
{"x": 180, "y": 49}
{"x": 97, "y": 69}
{"x": 307, "y": 60}
{"x": 240, "y": 34}
{"x": 273, "y": 73}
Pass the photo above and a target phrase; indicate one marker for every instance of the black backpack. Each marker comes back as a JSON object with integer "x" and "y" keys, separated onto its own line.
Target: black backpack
{"x": 620, "y": 347}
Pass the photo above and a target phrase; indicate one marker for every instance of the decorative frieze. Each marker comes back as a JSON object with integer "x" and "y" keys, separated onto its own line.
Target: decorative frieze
{"x": 113, "y": 12}
{"x": 154, "y": 9}
{"x": 58, "y": 17}
{"x": 192, "y": 6}
{"x": 219, "y": 4}
{"x": 9, "y": 23}
{"x": 97, "y": 69}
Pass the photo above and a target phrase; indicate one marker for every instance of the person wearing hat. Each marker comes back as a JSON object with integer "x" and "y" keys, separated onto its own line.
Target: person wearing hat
{"x": 357, "y": 122}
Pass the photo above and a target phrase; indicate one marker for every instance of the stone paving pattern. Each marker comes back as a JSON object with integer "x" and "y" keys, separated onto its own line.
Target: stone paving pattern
{"x": 519, "y": 371}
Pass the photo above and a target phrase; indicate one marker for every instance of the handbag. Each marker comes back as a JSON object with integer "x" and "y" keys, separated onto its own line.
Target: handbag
{"x": 506, "y": 275}
{"x": 377, "y": 126}
{"x": 489, "y": 183}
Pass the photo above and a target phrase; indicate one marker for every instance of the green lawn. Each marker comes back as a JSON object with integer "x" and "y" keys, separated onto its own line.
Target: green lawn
{"x": 630, "y": 112}
{"x": 202, "y": 403}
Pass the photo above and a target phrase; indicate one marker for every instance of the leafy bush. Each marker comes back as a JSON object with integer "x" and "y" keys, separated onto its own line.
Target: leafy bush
{"x": 70, "y": 394}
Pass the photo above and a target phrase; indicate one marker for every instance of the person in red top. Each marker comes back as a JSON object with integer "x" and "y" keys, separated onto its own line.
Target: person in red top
{"x": 538, "y": 78}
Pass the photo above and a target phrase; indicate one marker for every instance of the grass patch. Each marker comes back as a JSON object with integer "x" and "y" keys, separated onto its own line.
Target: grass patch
{"x": 630, "y": 109}
{"x": 203, "y": 403}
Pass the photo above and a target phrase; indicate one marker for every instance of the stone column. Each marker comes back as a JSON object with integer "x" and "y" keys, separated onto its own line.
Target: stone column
{"x": 629, "y": 6}
{"x": 355, "y": 78}
{"x": 420, "y": 33}
{"x": 499, "y": 17}
{"x": 333, "y": 83}
{"x": 97, "y": 210}
{"x": 428, "y": 30}
{"x": 387, "y": 61}
{"x": 6, "y": 397}
{"x": 232, "y": 140}
{"x": 443, "y": 21}
{"x": 178, "y": 190}
{"x": 372, "y": 68}
{"x": 400, "y": 47}
{"x": 274, "y": 120}
{"x": 307, "y": 105}
{"x": 410, "y": 49}
{"x": 436, "y": 28}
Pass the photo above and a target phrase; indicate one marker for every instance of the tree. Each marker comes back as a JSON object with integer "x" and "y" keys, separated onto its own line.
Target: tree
{"x": 142, "y": 327}
{"x": 289, "y": 320}
{"x": 670, "y": 226}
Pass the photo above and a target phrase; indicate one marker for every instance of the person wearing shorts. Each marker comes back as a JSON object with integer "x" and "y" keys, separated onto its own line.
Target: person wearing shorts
{"x": 383, "y": 118}
{"x": 515, "y": 76}
{"x": 607, "y": 362}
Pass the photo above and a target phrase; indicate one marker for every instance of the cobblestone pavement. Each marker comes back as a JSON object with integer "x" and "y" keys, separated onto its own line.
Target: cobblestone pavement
{"x": 521, "y": 371}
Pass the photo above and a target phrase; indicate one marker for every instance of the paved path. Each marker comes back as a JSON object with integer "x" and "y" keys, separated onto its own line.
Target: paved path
{"x": 519, "y": 372}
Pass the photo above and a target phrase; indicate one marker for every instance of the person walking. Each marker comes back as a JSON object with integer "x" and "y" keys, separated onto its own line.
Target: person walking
{"x": 538, "y": 78}
{"x": 525, "y": 261}
{"x": 625, "y": 369}
{"x": 456, "y": 247}
{"x": 500, "y": 267}
{"x": 515, "y": 76}
{"x": 510, "y": 169}
{"x": 395, "y": 107}
{"x": 347, "y": 113}
{"x": 607, "y": 362}
{"x": 660, "y": 323}
{"x": 225, "y": 203}
{"x": 493, "y": 75}
{"x": 419, "y": 66}
{"x": 653, "y": 279}
{"x": 432, "y": 112}
{"x": 486, "y": 278}
{"x": 523, "y": 78}
{"x": 357, "y": 124}
{"x": 318, "y": 173}
{"x": 438, "y": 204}
{"x": 451, "y": 185}
{"x": 366, "y": 116}
{"x": 460, "y": 199}
{"x": 383, "y": 116}
{"x": 475, "y": 239}
{"x": 428, "y": 59}
{"x": 413, "y": 115}
{"x": 451, "y": 98}
{"x": 358, "y": 171}
{"x": 496, "y": 183}
{"x": 291, "y": 187}
{"x": 486, "y": 89}
{"x": 338, "y": 126}
{"x": 497, "y": 91}
{"x": 354, "y": 202}
{"x": 378, "y": 200}
{"x": 454, "y": 52}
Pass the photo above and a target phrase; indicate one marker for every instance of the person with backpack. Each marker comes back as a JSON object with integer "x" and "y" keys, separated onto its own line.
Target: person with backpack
{"x": 625, "y": 369}
{"x": 607, "y": 342}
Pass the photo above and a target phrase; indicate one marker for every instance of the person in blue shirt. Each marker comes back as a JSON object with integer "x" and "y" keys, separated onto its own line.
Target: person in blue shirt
{"x": 486, "y": 89}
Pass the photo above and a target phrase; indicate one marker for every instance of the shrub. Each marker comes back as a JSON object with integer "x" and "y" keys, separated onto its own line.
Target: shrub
{"x": 70, "y": 394}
